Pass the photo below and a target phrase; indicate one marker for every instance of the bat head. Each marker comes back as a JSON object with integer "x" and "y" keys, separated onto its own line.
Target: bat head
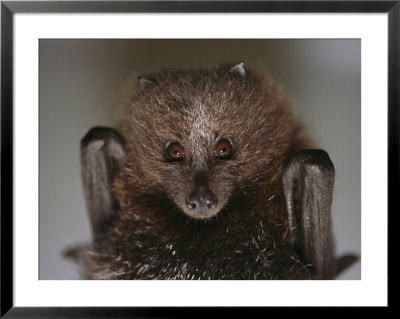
{"x": 201, "y": 137}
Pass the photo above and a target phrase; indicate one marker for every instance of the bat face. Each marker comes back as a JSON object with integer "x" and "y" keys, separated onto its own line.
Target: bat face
{"x": 198, "y": 167}
{"x": 204, "y": 144}
{"x": 201, "y": 181}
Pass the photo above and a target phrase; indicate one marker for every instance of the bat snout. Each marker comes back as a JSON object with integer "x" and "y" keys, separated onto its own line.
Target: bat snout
{"x": 201, "y": 200}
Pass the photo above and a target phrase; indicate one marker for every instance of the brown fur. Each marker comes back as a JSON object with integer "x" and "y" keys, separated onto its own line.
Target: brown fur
{"x": 152, "y": 237}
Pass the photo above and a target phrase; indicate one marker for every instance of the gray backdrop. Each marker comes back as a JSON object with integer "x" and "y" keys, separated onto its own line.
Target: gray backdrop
{"x": 81, "y": 85}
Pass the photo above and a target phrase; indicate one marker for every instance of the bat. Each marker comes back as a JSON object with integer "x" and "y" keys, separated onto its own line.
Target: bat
{"x": 207, "y": 175}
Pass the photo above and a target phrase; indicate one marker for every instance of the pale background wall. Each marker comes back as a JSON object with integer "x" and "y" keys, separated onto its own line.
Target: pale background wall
{"x": 81, "y": 83}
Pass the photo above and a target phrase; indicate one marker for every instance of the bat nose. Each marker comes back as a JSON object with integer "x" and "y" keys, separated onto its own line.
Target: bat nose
{"x": 201, "y": 200}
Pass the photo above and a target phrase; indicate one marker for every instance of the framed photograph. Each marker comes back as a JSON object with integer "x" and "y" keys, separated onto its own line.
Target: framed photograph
{"x": 68, "y": 67}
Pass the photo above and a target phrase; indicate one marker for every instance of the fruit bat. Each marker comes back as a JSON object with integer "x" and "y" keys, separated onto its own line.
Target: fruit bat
{"x": 207, "y": 175}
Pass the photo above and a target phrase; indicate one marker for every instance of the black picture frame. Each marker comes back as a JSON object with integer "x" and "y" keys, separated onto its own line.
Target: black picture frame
{"x": 9, "y": 8}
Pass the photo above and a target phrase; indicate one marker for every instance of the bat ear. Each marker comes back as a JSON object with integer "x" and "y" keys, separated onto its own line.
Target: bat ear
{"x": 144, "y": 83}
{"x": 239, "y": 68}
{"x": 102, "y": 157}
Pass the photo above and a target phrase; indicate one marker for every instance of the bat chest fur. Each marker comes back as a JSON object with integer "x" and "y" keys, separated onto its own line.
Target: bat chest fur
{"x": 202, "y": 251}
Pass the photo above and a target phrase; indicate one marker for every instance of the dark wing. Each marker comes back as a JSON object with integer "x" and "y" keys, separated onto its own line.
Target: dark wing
{"x": 308, "y": 180}
{"x": 102, "y": 156}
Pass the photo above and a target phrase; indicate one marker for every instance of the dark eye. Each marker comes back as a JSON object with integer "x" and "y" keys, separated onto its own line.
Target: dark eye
{"x": 175, "y": 151}
{"x": 223, "y": 149}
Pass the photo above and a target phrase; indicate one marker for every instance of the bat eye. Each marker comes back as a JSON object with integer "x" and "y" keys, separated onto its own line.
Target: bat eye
{"x": 223, "y": 149}
{"x": 175, "y": 151}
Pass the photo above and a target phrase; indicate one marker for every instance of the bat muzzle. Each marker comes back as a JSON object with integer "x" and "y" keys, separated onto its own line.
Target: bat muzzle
{"x": 201, "y": 202}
